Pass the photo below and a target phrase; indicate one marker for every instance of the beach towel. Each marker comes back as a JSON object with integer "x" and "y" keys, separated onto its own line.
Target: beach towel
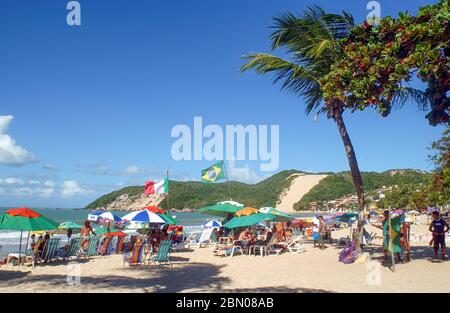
{"x": 349, "y": 254}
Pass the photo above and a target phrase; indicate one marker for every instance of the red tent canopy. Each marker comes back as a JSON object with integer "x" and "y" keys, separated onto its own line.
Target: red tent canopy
{"x": 24, "y": 212}
{"x": 117, "y": 233}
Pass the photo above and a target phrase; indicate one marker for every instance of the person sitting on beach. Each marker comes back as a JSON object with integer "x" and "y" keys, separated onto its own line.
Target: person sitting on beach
{"x": 245, "y": 238}
{"x": 438, "y": 227}
{"x": 164, "y": 235}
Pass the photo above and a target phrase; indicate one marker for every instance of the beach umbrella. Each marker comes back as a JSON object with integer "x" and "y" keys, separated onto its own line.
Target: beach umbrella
{"x": 212, "y": 224}
{"x": 104, "y": 215}
{"x": 247, "y": 220}
{"x": 154, "y": 209}
{"x": 68, "y": 224}
{"x": 144, "y": 216}
{"x": 169, "y": 219}
{"x": 64, "y": 227}
{"x": 301, "y": 223}
{"x": 279, "y": 216}
{"x": 247, "y": 211}
{"x": 24, "y": 219}
{"x": 222, "y": 209}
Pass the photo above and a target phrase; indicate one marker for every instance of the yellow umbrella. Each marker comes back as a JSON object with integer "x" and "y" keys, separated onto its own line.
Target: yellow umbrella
{"x": 247, "y": 212}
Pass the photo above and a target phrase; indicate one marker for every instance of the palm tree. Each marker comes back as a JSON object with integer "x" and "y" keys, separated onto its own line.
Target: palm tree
{"x": 314, "y": 43}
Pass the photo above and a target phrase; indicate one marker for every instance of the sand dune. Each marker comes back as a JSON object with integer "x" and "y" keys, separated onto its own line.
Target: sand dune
{"x": 300, "y": 186}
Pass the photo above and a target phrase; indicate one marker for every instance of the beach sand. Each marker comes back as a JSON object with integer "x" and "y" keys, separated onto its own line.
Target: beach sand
{"x": 199, "y": 271}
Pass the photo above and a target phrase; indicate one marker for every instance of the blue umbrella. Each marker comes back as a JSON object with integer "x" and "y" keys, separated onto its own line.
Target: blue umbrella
{"x": 212, "y": 224}
{"x": 99, "y": 215}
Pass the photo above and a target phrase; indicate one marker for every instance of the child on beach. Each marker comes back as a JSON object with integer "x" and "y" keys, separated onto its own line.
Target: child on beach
{"x": 438, "y": 227}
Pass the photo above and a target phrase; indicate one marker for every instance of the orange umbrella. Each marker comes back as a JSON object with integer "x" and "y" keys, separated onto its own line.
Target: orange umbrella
{"x": 154, "y": 209}
{"x": 247, "y": 212}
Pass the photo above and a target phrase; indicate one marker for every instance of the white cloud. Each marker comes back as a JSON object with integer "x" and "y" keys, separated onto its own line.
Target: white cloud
{"x": 243, "y": 174}
{"x": 71, "y": 188}
{"x": 11, "y": 181}
{"x": 10, "y": 153}
{"x": 27, "y": 187}
{"x": 132, "y": 170}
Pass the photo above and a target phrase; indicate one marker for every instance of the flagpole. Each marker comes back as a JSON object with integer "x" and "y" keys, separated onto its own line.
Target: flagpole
{"x": 168, "y": 193}
{"x": 391, "y": 241}
{"x": 228, "y": 181}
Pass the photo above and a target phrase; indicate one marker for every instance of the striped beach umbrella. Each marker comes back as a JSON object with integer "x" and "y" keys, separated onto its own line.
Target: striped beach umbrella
{"x": 212, "y": 224}
{"x": 104, "y": 215}
{"x": 144, "y": 216}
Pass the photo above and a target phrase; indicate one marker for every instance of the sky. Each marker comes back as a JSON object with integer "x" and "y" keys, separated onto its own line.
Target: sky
{"x": 89, "y": 109}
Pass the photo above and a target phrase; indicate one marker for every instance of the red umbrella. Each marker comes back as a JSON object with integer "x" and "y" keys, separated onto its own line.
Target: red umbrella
{"x": 24, "y": 212}
{"x": 154, "y": 209}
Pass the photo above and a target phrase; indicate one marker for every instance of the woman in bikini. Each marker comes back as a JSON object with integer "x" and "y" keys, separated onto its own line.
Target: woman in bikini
{"x": 85, "y": 234}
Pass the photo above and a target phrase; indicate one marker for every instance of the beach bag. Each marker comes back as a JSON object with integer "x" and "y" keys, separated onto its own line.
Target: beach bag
{"x": 316, "y": 236}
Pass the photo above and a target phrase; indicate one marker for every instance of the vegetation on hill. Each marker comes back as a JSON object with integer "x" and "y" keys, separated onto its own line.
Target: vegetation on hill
{"x": 436, "y": 192}
{"x": 195, "y": 195}
{"x": 341, "y": 184}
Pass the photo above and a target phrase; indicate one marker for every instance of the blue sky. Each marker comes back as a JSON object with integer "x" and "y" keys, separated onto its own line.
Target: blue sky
{"x": 94, "y": 105}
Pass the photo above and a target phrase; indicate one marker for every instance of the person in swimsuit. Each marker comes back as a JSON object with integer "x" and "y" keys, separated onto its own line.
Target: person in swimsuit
{"x": 86, "y": 233}
{"x": 438, "y": 227}
{"x": 322, "y": 233}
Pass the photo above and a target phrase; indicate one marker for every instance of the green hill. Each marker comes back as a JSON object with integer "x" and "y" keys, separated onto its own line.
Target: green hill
{"x": 341, "y": 184}
{"x": 194, "y": 195}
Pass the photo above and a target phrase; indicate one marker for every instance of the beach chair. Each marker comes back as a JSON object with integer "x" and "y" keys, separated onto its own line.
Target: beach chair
{"x": 265, "y": 248}
{"x": 229, "y": 252}
{"x": 193, "y": 239}
{"x": 121, "y": 244}
{"x": 105, "y": 245}
{"x": 163, "y": 254}
{"x": 93, "y": 247}
{"x": 50, "y": 248}
{"x": 74, "y": 249}
{"x": 296, "y": 246}
{"x": 135, "y": 256}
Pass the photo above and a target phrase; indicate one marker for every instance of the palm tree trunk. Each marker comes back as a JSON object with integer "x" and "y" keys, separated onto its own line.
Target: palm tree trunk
{"x": 354, "y": 169}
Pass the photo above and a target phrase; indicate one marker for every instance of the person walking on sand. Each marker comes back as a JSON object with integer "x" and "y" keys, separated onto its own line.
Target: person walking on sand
{"x": 438, "y": 227}
{"x": 322, "y": 232}
{"x": 85, "y": 234}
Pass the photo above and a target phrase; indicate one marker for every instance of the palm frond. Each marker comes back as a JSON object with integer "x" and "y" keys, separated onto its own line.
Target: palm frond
{"x": 295, "y": 77}
{"x": 406, "y": 94}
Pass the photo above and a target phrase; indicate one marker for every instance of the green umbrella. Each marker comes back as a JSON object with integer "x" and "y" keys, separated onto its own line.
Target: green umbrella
{"x": 24, "y": 219}
{"x": 222, "y": 208}
{"x": 247, "y": 220}
{"x": 68, "y": 224}
{"x": 278, "y": 215}
{"x": 22, "y": 223}
{"x": 169, "y": 219}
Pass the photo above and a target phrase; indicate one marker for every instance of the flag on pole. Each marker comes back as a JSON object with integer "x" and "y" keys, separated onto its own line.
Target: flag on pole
{"x": 391, "y": 234}
{"x": 157, "y": 187}
{"x": 213, "y": 173}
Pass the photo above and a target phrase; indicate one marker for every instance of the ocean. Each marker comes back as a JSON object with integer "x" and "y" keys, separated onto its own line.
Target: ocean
{"x": 10, "y": 240}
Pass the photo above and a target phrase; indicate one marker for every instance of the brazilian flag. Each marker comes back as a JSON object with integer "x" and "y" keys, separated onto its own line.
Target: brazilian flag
{"x": 391, "y": 234}
{"x": 213, "y": 173}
